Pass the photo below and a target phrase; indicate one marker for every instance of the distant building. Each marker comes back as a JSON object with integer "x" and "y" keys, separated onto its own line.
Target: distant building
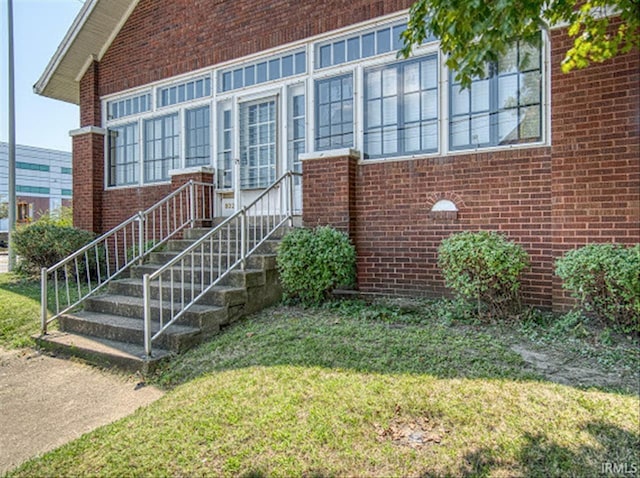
{"x": 43, "y": 181}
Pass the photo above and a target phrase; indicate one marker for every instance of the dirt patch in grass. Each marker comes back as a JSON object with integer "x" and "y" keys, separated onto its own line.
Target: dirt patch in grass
{"x": 563, "y": 368}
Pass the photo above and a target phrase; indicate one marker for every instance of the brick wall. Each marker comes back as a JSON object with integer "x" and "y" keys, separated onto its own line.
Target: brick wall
{"x": 584, "y": 187}
{"x": 167, "y": 38}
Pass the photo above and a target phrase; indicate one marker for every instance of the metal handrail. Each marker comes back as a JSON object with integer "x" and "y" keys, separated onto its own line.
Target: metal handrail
{"x": 234, "y": 236}
{"x": 90, "y": 268}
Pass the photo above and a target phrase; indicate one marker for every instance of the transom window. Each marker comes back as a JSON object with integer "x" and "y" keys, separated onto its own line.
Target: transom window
{"x": 401, "y": 108}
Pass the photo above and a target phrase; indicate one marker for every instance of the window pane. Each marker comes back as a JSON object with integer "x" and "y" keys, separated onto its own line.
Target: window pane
{"x": 325, "y": 56}
{"x": 509, "y": 61}
{"x": 338, "y": 52}
{"x": 480, "y": 95}
{"x": 261, "y": 75}
{"x": 368, "y": 45}
{"x": 430, "y": 104}
{"x": 389, "y": 82}
{"x": 384, "y": 40}
{"x": 323, "y": 90}
{"x": 429, "y": 73}
{"x": 480, "y": 132}
{"x": 530, "y": 123}
{"x": 226, "y": 81}
{"x": 508, "y": 91}
{"x": 508, "y": 126}
{"x": 353, "y": 48}
{"x": 460, "y": 132}
{"x": 529, "y": 57}
{"x": 390, "y": 140}
{"x": 274, "y": 69}
{"x": 390, "y": 110}
{"x": 374, "y": 84}
{"x": 530, "y": 88}
{"x": 298, "y": 105}
{"x": 374, "y": 113}
{"x": 373, "y": 142}
{"x": 459, "y": 100}
{"x": 412, "y": 138}
{"x": 301, "y": 62}
{"x": 430, "y": 137}
{"x": 250, "y": 75}
{"x": 411, "y": 77}
{"x": 287, "y": 65}
{"x": 411, "y": 106}
{"x": 397, "y": 39}
{"x": 238, "y": 80}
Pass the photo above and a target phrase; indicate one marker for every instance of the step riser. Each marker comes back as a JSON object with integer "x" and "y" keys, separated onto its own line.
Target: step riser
{"x": 253, "y": 231}
{"x": 204, "y": 254}
{"x": 206, "y": 319}
{"x": 170, "y": 341}
{"x": 216, "y": 297}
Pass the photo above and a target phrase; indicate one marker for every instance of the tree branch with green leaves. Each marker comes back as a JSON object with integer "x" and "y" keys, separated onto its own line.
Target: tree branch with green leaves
{"x": 474, "y": 33}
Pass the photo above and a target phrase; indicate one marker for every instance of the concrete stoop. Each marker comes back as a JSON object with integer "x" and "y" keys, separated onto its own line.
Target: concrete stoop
{"x": 109, "y": 329}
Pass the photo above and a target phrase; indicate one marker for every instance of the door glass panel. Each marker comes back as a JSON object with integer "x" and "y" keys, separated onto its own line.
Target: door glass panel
{"x": 258, "y": 151}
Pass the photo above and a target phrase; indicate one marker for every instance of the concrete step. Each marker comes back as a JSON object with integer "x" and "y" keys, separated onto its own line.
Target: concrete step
{"x": 270, "y": 246}
{"x": 253, "y": 230}
{"x": 103, "y": 352}
{"x": 265, "y": 262}
{"x": 202, "y": 316}
{"x": 220, "y": 295}
{"x": 117, "y": 328}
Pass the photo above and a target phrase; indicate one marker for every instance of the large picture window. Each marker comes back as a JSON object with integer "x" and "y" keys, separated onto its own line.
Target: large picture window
{"x": 502, "y": 108}
{"x": 334, "y": 113}
{"x": 401, "y": 108}
{"x": 123, "y": 155}
{"x": 161, "y": 148}
{"x": 198, "y": 134}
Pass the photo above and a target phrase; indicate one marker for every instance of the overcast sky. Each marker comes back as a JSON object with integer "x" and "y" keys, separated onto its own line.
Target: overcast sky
{"x": 39, "y": 26}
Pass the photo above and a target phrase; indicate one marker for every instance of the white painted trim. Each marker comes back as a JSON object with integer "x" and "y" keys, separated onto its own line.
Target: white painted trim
{"x": 86, "y": 130}
{"x": 191, "y": 170}
{"x": 333, "y": 153}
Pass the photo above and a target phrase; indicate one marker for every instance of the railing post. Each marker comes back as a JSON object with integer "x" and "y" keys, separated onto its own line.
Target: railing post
{"x": 141, "y": 238}
{"x": 291, "y": 183}
{"x": 243, "y": 237}
{"x": 192, "y": 205}
{"x": 146, "y": 300}
{"x": 43, "y": 300}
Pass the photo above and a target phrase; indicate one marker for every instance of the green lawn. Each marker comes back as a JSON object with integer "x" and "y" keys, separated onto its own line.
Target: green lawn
{"x": 19, "y": 310}
{"x": 364, "y": 391}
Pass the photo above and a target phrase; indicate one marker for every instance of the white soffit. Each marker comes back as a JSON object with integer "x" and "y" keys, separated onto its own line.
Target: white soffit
{"x": 89, "y": 37}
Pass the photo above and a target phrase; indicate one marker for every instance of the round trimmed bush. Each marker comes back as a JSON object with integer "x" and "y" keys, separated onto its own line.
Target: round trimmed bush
{"x": 605, "y": 278}
{"x": 484, "y": 267}
{"x": 314, "y": 262}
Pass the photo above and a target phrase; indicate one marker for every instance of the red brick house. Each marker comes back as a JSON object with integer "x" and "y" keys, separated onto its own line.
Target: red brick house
{"x": 392, "y": 151}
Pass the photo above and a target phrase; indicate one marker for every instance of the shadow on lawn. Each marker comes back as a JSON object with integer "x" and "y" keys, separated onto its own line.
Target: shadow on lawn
{"x": 321, "y": 338}
{"x": 540, "y": 456}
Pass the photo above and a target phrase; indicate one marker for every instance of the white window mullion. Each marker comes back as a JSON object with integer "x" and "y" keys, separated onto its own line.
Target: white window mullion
{"x": 182, "y": 138}
{"x": 358, "y": 108}
{"x": 282, "y": 116}
{"x": 443, "y": 113}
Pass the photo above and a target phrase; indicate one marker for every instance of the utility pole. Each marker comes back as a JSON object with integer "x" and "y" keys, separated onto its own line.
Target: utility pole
{"x": 12, "y": 139}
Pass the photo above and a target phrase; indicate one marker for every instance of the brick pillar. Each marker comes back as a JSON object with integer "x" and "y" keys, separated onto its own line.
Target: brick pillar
{"x": 328, "y": 188}
{"x": 88, "y": 178}
{"x": 88, "y": 156}
{"x": 204, "y": 191}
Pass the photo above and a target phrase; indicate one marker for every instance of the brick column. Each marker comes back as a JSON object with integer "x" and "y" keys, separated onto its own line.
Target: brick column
{"x": 328, "y": 188}
{"x": 88, "y": 156}
{"x": 204, "y": 195}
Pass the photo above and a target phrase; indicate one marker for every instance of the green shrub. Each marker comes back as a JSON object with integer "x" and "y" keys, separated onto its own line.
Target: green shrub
{"x": 44, "y": 243}
{"x": 484, "y": 267}
{"x": 605, "y": 278}
{"x": 313, "y": 262}
{"x": 61, "y": 216}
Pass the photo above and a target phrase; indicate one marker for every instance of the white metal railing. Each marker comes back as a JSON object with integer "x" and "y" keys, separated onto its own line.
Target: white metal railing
{"x": 172, "y": 289}
{"x": 86, "y": 271}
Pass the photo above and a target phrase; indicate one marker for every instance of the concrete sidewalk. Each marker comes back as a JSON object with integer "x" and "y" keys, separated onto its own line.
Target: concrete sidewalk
{"x": 46, "y": 402}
